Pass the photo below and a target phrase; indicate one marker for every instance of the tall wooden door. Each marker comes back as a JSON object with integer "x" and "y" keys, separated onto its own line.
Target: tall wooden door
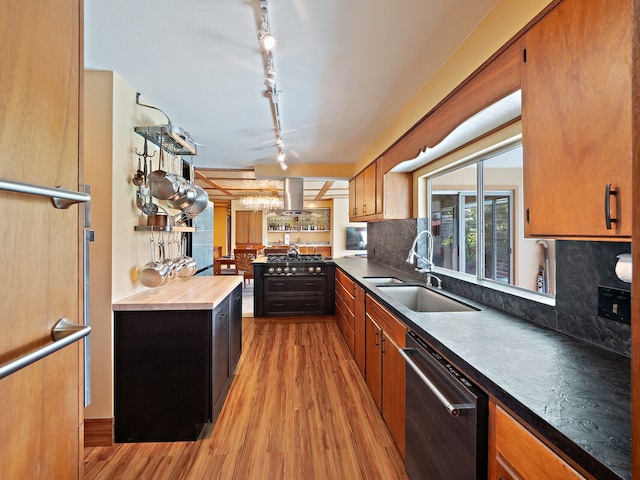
{"x": 40, "y": 85}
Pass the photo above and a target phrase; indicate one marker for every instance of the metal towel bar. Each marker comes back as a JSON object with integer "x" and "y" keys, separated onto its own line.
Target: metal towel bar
{"x": 64, "y": 333}
{"x": 61, "y": 197}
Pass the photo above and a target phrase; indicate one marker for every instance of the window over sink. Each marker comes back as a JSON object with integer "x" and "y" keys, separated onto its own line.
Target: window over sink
{"x": 461, "y": 230}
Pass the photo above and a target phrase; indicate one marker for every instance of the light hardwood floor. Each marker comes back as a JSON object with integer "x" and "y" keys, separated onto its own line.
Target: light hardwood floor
{"x": 298, "y": 409}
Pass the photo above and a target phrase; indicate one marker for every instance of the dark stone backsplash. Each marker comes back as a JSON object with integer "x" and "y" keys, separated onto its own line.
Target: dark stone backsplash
{"x": 581, "y": 266}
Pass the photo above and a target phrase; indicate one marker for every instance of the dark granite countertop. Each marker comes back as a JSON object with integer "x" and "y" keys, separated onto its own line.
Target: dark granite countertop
{"x": 576, "y": 395}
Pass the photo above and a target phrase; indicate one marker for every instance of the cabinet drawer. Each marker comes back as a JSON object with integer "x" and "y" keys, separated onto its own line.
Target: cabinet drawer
{"x": 346, "y": 297}
{"x": 393, "y": 327}
{"x": 302, "y": 285}
{"x": 295, "y": 306}
{"x": 523, "y": 455}
{"x": 346, "y": 313}
{"x": 345, "y": 281}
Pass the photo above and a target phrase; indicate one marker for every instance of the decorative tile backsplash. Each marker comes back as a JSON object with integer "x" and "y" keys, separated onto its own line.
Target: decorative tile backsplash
{"x": 580, "y": 267}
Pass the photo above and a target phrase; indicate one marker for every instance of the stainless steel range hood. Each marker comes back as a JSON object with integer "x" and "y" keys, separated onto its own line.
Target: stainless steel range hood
{"x": 293, "y": 197}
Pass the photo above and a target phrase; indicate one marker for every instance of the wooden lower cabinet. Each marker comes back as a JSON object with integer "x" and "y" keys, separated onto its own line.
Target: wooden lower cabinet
{"x": 359, "y": 328}
{"x": 384, "y": 366}
{"x": 516, "y": 454}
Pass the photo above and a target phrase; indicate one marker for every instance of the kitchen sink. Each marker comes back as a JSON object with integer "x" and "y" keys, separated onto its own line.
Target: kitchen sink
{"x": 421, "y": 299}
{"x": 383, "y": 280}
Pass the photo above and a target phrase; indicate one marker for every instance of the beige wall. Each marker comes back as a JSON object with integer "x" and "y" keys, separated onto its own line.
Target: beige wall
{"x": 118, "y": 251}
{"x": 506, "y": 19}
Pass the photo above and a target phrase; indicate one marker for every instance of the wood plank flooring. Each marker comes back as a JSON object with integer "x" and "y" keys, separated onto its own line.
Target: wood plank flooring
{"x": 298, "y": 409}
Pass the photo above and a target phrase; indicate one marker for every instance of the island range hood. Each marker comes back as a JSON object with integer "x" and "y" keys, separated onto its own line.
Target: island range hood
{"x": 293, "y": 197}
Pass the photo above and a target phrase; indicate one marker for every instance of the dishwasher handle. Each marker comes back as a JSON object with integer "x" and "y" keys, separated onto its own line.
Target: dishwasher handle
{"x": 454, "y": 409}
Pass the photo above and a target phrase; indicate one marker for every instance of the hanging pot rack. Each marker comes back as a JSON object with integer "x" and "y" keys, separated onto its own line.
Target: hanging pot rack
{"x": 171, "y": 138}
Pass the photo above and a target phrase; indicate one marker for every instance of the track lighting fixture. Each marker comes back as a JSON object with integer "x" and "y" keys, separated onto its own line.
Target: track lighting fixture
{"x": 267, "y": 42}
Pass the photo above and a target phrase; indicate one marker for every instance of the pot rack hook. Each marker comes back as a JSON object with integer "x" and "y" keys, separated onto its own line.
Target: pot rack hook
{"x": 144, "y": 153}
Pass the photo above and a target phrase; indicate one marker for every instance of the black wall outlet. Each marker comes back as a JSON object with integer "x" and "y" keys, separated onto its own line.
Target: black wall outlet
{"x": 614, "y": 304}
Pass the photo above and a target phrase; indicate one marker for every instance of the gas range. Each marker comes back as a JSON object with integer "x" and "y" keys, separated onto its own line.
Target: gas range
{"x": 303, "y": 257}
{"x": 303, "y": 264}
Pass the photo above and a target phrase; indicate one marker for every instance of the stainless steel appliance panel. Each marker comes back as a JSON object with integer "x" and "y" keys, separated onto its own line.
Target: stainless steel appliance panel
{"x": 446, "y": 418}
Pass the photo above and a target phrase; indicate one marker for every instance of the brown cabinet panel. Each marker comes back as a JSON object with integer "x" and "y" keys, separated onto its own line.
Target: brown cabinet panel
{"x": 385, "y": 367}
{"x": 373, "y": 361}
{"x": 375, "y": 196}
{"x": 248, "y": 227}
{"x": 393, "y": 389}
{"x": 41, "y": 83}
{"x": 359, "y": 328}
{"x": 576, "y": 119}
{"x": 520, "y": 454}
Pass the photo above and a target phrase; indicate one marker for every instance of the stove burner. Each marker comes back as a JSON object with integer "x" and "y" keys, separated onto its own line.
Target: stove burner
{"x": 283, "y": 257}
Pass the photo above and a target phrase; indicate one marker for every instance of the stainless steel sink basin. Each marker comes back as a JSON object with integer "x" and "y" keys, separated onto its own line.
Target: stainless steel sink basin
{"x": 421, "y": 299}
{"x": 383, "y": 280}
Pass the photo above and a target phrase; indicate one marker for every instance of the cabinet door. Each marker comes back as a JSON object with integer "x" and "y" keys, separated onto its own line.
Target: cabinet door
{"x": 359, "y": 328}
{"x": 369, "y": 190}
{"x": 393, "y": 390}
{"x": 373, "y": 360}
{"x": 242, "y": 227}
{"x": 235, "y": 328}
{"x": 576, "y": 120}
{"x": 220, "y": 356}
{"x": 359, "y": 195}
{"x": 353, "y": 210}
{"x": 255, "y": 228}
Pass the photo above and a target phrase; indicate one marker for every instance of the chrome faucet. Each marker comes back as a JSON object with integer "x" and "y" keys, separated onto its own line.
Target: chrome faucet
{"x": 428, "y": 261}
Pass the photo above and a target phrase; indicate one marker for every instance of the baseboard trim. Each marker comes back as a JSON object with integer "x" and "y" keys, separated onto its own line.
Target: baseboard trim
{"x": 99, "y": 432}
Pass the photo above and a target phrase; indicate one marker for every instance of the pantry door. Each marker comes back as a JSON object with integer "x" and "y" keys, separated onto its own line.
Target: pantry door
{"x": 41, "y": 430}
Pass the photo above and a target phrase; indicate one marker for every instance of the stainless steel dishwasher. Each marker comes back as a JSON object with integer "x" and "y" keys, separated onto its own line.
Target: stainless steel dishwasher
{"x": 446, "y": 418}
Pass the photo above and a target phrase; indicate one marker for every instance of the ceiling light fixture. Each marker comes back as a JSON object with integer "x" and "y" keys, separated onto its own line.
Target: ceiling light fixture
{"x": 262, "y": 203}
{"x": 267, "y": 41}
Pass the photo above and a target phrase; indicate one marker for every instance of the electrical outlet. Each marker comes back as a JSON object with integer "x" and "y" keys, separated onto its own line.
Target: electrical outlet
{"x": 614, "y": 304}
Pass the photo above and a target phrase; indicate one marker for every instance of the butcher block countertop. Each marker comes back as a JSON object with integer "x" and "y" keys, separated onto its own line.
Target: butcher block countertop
{"x": 194, "y": 293}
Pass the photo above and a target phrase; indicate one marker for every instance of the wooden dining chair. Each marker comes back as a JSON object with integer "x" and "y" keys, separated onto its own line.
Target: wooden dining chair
{"x": 243, "y": 260}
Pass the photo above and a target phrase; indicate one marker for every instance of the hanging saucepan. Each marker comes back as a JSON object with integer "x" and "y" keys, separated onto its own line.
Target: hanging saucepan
{"x": 189, "y": 265}
{"x": 202, "y": 199}
{"x": 184, "y": 197}
{"x": 168, "y": 261}
{"x": 167, "y": 185}
{"x": 154, "y": 274}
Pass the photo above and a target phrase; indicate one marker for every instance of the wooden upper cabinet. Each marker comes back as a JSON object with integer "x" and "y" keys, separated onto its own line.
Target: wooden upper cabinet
{"x": 248, "y": 227}
{"x": 576, "y": 121}
{"x": 374, "y": 195}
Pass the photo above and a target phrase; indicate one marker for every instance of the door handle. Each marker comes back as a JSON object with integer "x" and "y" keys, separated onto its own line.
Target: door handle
{"x": 453, "y": 408}
{"x": 64, "y": 333}
{"x": 61, "y": 197}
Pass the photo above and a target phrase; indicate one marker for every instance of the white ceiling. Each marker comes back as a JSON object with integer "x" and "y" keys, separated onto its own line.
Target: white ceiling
{"x": 345, "y": 68}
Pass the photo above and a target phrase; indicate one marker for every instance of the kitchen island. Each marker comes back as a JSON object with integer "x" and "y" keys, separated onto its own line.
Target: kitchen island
{"x": 176, "y": 349}
{"x": 574, "y": 395}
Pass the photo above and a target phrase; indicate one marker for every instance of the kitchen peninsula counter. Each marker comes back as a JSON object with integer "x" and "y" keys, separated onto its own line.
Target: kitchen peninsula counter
{"x": 194, "y": 293}
{"x": 576, "y": 395}
{"x": 176, "y": 349}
